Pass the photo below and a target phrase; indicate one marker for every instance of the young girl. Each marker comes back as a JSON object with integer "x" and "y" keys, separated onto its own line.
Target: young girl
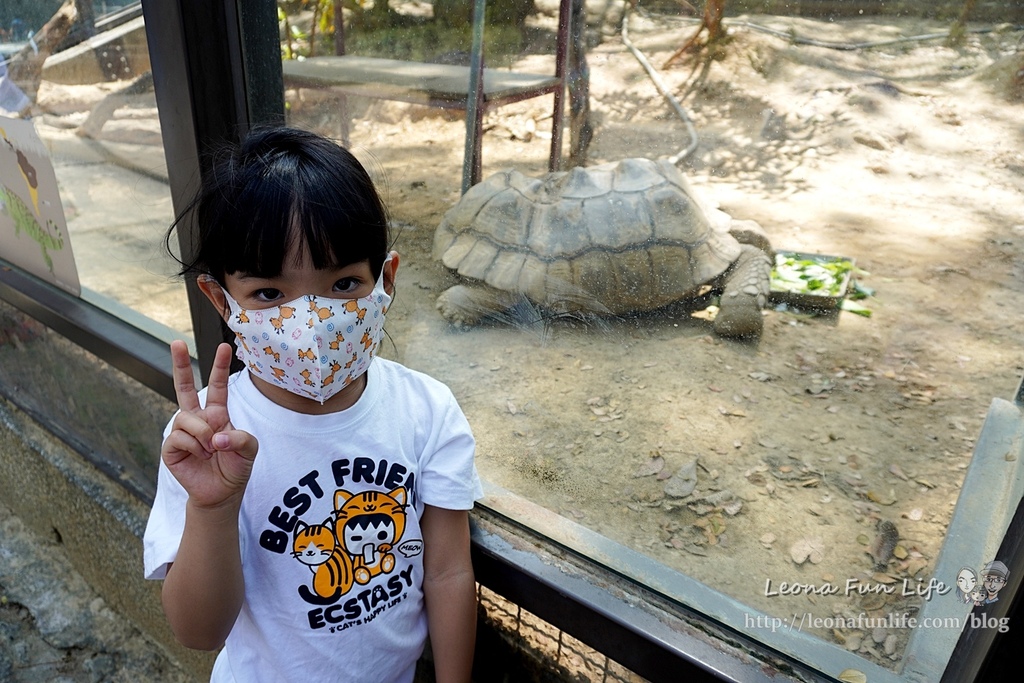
{"x": 311, "y": 513}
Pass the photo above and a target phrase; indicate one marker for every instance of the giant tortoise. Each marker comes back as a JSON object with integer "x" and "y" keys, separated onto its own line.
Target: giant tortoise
{"x": 611, "y": 239}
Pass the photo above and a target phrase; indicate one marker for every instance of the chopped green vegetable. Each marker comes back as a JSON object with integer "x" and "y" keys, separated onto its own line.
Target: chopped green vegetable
{"x": 822, "y": 276}
{"x": 860, "y": 291}
{"x": 854, "y": 307}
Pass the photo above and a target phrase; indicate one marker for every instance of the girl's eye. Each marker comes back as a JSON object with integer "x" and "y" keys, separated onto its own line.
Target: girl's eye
{"x": 268, "y": 294}
{"x": 346, "y": 284}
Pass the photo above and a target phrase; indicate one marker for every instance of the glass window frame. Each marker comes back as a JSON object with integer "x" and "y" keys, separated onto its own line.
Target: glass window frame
{"x": 217, "y": 52}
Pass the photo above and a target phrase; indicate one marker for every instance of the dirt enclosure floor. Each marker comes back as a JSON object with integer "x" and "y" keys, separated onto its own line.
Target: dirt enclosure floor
{"x": 781, "y": 459}
{"x": 907, "y": 159}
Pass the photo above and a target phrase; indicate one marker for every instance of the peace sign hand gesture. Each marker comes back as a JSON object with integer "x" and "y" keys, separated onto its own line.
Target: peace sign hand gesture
{"x": 209, "y": 457}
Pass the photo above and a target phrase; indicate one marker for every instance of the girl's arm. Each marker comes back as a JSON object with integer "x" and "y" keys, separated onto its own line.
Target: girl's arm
{"x": 450, "y": 592}
{"x": 203, "y": 591}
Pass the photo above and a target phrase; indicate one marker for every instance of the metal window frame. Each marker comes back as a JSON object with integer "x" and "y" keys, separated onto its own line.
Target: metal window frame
{"x": 206, "y": 52}
{"x": 224, "y": 51}
{"x": 660, "y": 640}
{"x": 132, "y": 351}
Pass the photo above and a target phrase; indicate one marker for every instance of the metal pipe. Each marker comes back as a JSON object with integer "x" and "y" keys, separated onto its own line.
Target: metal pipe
{"x": 474, "y": 99}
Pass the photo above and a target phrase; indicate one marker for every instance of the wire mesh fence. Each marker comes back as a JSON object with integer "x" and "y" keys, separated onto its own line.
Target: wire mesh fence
{"x": 550, "y": 649}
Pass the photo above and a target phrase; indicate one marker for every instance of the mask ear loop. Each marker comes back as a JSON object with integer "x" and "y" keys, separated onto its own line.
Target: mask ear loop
{"x": 380, "y": 276}
{"x": 391, "y": 299}
{"x": 211, "y": 282}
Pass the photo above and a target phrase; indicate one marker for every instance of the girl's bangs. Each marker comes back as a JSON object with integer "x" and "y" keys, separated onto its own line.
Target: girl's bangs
{"x": 274, "y": 194}
{"x": 331, "y": 233}
{"x": 339, "y": 223}
{"x": 335, "y": 238}
{"x": 255, "y": 229}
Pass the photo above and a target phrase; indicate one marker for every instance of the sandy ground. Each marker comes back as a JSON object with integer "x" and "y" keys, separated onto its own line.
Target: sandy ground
{"x": 906, "y": 158}
{"x": 900, "y": 158}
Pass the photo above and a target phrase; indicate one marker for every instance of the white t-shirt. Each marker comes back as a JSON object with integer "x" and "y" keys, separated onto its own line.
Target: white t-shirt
{"x": 349, "y": 610}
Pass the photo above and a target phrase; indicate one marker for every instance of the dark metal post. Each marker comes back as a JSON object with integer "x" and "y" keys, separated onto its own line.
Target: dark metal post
{"x": 339, "y": 49}
{"x": 578, "y": 78}
{"x": 474, "y": 100}
{"x": 216, "y": 73}
{"x": 339, "y": 29}
{"x": 262, "y": 79}
{"x": 561, "y": 64}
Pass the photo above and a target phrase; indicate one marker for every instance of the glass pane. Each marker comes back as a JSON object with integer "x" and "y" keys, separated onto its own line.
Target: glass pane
{"x": 69, "y": 390}
{"x": 96, "y": 113}
{"x": 828, "y": 451}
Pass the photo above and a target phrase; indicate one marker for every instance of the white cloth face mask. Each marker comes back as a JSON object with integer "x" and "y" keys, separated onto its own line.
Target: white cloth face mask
{"x": 313, "y": 346}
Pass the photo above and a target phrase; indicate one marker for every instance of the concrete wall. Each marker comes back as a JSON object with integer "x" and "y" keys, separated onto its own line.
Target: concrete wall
{"x": 54, "y": 489}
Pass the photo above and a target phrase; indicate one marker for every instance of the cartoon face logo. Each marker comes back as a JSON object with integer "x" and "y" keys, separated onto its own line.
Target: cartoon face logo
{"x": 994, "y": 574}
{"x": 994, "y": 583}
{"x": 983, "y": 590}
{"x": 966, "y": 581}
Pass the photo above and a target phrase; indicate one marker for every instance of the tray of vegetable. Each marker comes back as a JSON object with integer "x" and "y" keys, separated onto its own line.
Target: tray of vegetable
{"x": 810, "y": 281}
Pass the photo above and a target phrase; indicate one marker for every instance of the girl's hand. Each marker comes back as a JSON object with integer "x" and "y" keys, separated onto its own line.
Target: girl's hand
{"x": 209, "y": 457}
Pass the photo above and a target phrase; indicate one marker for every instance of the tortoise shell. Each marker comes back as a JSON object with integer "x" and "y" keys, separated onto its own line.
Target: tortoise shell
{"x": 618, "y": 237}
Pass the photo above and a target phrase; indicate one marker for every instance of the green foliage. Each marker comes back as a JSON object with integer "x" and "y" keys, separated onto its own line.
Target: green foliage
{"x": 427, "y": 41}
{"x": 499, "y": 12}
{"x": 307, "y": 28}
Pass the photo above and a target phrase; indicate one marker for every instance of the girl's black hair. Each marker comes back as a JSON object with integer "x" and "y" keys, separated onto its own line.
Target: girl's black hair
{"x": 281, "y": 185}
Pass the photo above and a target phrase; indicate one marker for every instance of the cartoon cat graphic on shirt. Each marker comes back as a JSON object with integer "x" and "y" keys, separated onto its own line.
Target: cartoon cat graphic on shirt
{"x": 355, "y": 546}
{"x": 316, "y": 546}
{"x": 369, "y": 524}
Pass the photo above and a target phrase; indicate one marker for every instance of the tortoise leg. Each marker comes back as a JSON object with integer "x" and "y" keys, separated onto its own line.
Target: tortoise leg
{"x": 746, "y": 293}
{"x": 750, "y": 232}
{"x": 469, "y": 305}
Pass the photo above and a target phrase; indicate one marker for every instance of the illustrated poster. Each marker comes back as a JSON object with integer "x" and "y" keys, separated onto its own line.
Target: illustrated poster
{"x": 33, "y": 231}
